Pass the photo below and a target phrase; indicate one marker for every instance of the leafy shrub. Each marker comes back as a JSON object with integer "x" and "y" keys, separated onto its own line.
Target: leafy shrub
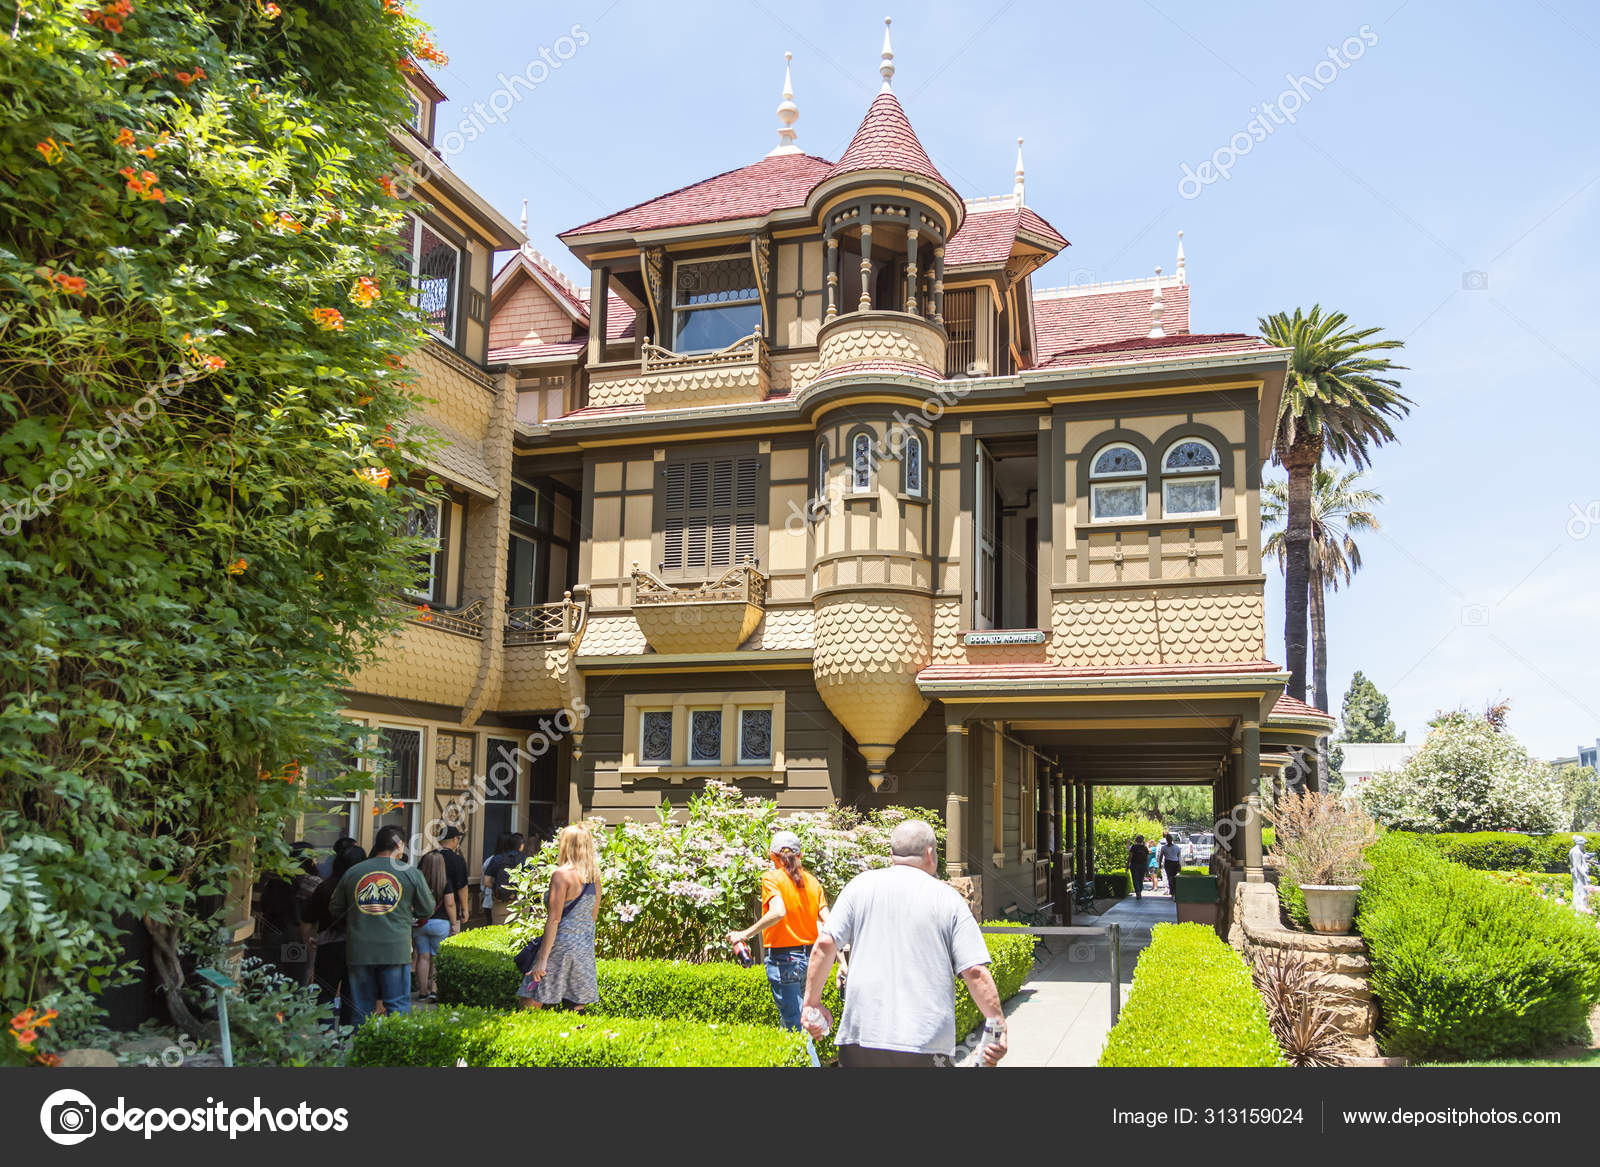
{"x": 1467, "y": 967}
{"x": 483, "y": 1037}
{"x": 476, "y": 968}
{"x": 1113, "y": 885}
{"x": 1468, "y": 776}
{"x": 1192, "y": 1004}
{"x": 1503, "y": 850}
{"x": 1292, "y": 902}
{"x": 1112, "y": 837}
{"x": 1193, "y": 871}
{"x": 673, "y": 889}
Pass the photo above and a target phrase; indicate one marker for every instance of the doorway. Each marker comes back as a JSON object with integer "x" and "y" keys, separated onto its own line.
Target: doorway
{"x": 1006, "y": 533}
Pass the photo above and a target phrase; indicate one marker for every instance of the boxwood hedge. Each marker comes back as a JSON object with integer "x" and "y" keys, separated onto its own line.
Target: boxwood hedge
{"x": 1467, "y": 967}
{"x": 1192, "y": 1004}
{"x": 1502, "y": 850}
{"x": 476, "y": 968}
{"x": 486, "y": 1037}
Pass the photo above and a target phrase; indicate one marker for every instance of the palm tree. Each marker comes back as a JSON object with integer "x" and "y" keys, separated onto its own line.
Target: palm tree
{"x": 1336, "y": 398}
{"x": 1338, "y": 507}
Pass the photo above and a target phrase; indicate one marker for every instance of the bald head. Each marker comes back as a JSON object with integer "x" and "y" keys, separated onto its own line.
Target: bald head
{"x": 913, "y": 843}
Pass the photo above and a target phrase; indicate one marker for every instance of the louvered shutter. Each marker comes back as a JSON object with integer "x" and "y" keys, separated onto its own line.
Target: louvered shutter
{"x": 676, "y": 519}
{"x": 697, "y": 516}
{"x": 744, "y": 531}
{"x": 721, "y": 518}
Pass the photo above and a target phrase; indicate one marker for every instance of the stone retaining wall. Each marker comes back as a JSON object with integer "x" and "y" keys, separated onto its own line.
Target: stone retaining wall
{"x": 1341, "y": 961}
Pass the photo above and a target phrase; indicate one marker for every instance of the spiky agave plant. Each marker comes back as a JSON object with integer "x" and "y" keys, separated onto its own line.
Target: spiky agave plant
{"x": 1300, "y": 1009}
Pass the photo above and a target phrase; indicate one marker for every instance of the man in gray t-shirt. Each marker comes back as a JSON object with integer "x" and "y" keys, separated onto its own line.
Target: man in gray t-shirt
{"x": 910, "y": 935}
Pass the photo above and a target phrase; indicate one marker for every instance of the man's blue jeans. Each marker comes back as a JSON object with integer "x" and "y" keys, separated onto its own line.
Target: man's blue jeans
{"x": 786, "y": 977}
{"x": 371, "y": 983}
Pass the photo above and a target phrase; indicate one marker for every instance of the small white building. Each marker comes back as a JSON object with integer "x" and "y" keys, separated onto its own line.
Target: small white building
{"x": 1364, "y": 759}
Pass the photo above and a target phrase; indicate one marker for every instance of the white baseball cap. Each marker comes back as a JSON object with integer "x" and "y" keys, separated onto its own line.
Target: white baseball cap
{"x": 785, "y": 841}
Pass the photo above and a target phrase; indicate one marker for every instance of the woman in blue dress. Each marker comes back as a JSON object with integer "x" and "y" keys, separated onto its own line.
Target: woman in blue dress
{"x": 564, "y": 971}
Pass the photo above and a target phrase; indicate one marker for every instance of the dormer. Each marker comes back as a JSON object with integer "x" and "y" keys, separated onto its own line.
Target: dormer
{"x": 425, "y": 98}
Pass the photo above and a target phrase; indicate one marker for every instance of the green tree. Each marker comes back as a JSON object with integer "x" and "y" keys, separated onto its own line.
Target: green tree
{"x": 1580, "y": 796}
{"x": 1365, "y": 714}
{"x": 201, "y": 386}
{"x": 1338, "y": 507}
{"x": 1337, "y": 398}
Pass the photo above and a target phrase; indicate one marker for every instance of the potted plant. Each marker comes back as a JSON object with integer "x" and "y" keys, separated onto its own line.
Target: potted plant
{"x": 1321, "y": 839}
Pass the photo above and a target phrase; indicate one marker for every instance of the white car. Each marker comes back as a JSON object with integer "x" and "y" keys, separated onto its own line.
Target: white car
{"x": 1197, "y": 850}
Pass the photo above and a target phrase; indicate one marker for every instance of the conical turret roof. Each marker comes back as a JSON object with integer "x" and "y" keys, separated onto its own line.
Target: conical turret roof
{"x": 886, "y": 141}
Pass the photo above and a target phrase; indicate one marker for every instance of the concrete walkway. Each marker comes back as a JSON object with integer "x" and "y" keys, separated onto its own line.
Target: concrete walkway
{"x": 1062, "y": 1014}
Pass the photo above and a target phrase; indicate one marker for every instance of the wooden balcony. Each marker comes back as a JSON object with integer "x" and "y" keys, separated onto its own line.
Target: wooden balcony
{"x": 559, "y": 623}
{"x": 716, "y": 616}
{"x": 736, "y": 374}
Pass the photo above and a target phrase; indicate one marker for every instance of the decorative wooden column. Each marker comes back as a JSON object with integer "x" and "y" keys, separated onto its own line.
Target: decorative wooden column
{"x": 938, "y": 285}
{"x": 599, "y": 289}
{"x": 833, "y": 276}
{"x": 1088, "y": 833}
{"x": 864, "y": 304}
{"x": 1250, "y": 764}
{"x": 911, "y": 270}
{"x": 955, "y": 797}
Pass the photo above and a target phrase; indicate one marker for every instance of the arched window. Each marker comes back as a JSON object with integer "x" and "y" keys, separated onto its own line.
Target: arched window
{"x": 862, "y": 464}
{"x": 1116, "y": 489}
{"x": 1190, "y": 479}
{"x": 911, "y": 476}
{"x": 821, "y": 494}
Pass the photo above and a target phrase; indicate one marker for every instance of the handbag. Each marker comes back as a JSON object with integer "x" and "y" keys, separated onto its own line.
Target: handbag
{"x": 529, "y": 955}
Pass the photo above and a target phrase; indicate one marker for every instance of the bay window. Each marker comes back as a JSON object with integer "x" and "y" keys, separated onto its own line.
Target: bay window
{"x": 715, "y": 302}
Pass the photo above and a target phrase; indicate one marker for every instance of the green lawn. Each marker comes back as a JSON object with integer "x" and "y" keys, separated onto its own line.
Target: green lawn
{"x": 1586, "y": 1058}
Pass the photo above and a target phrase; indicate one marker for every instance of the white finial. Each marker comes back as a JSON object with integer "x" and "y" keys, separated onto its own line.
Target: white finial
{"x": 524, "y": 219}
{"x": 1016, "y": 190}
{"x": 887, "y": 68}
{"x": 788, "y": 111}
{"x": 1156, "y": 309}
{"x": 1181, "y": 274}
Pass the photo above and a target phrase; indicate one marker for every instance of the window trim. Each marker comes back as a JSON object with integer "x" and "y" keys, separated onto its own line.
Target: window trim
{"x": 1112, "y": 475}
{"x": 914, "y": 438}
{"x": 871, "y": 489}
{"x": 722, "y": 742}
{"x": 678, "y": 264}
{"x": 772, "y": 743}
{"x": 1129, "y": 483}
{"x": 1178, "y": 479}
{"x": 431, "y": 594}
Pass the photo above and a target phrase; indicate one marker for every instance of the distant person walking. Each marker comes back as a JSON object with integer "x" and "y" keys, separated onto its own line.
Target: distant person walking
{"x": 380, "y": 899}
{"x": 792, "y": 907}
{"x": 1172, "y": 860}
{"x": 455, "y": 868}
{"x": 437, "y": 928}
{"x": 1138, "y": 865}
{"x": 910, "y": 935}
{"x": 564, "y": 970}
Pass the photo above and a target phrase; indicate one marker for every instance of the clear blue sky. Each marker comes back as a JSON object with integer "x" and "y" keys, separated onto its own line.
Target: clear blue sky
{"x": 1461, "y": 141}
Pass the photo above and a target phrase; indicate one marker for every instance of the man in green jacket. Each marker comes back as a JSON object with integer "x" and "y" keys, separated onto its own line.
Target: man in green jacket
{"x": 381, "y": 900}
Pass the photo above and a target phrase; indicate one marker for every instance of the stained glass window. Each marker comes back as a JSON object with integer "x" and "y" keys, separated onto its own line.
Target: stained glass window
{"x": 755, "y": 735}
{"x": 655, "y": 736}
{"x": 717, "y": 303}
{"x": 912, "y": 466}
{"x": 435, "y": 266}
{"x": 1117, "y": 460}
{"x": 861, "y": 462}
{"x": 1185, "y": 497}
{"x": 1191, "y": 455}
{"x": 1119, "y": 501}
{"x": 705, "y": 735}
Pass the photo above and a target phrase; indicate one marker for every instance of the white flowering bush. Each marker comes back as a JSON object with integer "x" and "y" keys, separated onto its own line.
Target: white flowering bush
{"x": 1468, "y": 776}
{"x": 673, "y": 889}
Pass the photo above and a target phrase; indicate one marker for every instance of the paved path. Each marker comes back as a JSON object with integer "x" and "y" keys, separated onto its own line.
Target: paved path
{"x": 1062, "y": 1014}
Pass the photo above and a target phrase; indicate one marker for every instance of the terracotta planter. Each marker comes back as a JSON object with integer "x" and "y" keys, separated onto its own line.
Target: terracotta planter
{"x": 1332, "y": 907}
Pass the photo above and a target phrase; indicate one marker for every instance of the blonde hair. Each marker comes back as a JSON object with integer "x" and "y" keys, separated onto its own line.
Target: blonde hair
{"x": 577, "y": 848}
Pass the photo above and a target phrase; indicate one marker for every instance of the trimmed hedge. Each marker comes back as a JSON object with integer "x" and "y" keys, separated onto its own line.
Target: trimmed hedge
{"x": 1467, "y": 967}
{"x": 484, "y": 1037}
{"x": 1501, "y": 850}
{"x": 476, "y": 968}
{"x": 1292, "y": 902}
{"x": 1113, "y": 886}
{"x": 1192, "y": 1004}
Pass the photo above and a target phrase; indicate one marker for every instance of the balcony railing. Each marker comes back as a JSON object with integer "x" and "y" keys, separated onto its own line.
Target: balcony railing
{"x": 654, "y": 358}
{"x": 557, "y": 623}
{"x": 742, "y": 584}
{"x": 463, "y": 621}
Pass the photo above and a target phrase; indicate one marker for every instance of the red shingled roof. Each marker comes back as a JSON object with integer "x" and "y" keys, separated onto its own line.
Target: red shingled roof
{"x": 886, "y": 141}
{"x": 986, "y": 237}
{"x": 1287, "y": 706}
{"x": 1034, "y": 224}
{"x": 1155, "y": 348}
{"x": 1063, "y": 322}
{"x": 758, "y": 189}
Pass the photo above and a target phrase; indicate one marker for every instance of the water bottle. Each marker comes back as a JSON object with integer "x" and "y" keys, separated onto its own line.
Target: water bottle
{"x": 992, "y": 1031}
{"x": 811, "y": 1015}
